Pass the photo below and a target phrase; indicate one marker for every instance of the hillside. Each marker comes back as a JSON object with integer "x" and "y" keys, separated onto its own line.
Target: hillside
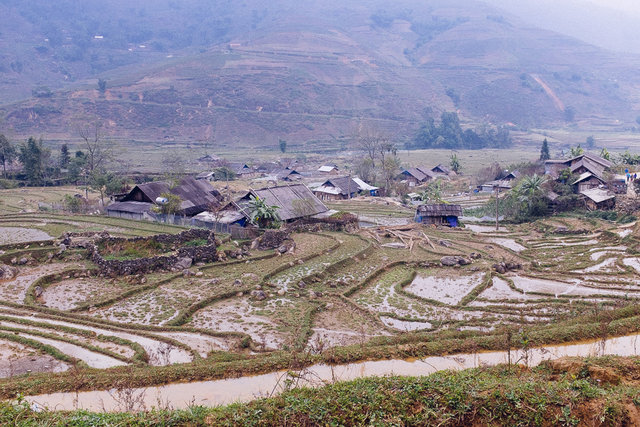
{"x": 313, "y": 73}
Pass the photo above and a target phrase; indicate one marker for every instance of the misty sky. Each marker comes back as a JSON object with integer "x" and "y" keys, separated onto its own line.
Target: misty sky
{"x": 632, "y": 6}
{"x": 612, "y": 24}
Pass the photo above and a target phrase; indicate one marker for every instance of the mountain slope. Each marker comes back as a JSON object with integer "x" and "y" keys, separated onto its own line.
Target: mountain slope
{"x": 315, "y": 72}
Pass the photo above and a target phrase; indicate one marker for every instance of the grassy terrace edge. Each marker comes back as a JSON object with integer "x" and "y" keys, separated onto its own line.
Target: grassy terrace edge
{"x": 550, "y": 394}
{"x": 228, "y": 365}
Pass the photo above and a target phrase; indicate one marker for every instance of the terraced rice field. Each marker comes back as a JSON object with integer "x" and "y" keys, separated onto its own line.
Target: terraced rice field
{"x": 335, "y": 289}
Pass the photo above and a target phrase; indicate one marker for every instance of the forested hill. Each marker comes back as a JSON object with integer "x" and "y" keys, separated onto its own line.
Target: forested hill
{"x": 252, "y": 72}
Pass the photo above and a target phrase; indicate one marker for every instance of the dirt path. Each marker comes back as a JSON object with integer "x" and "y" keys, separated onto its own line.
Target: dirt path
{"x": 550, "y": 93}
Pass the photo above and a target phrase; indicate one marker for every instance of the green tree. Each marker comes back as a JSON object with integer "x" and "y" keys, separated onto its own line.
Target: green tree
{"x": 577, "y": 151}
{"x": 263, "y": 215}
{"x": 590, "y": 142}
{"x": 105, "y": 183}
{"x": 224, "y": 173}
{"x": 171, "y": 207}
{"x": 7, "y": 153}
{"x": 454, "y": 162}
{"x": 102, "y": 85}
{"x": 604, "y": 153}
{"x": 283, "y": 145}
{"x": 528, "y": 199}
{"x": 432, "y": 193}
{"x": 544, "y": 151}
{"x": 33, "y": 157}
{"x": 64, "y": 156}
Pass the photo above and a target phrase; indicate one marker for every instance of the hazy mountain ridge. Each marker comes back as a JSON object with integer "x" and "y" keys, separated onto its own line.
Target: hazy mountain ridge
{"x": 313, "y": 72}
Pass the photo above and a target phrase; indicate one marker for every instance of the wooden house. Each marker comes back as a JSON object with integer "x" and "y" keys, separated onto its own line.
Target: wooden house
{"x": 587, "y": 181}
{"x": 439, "y": 214}
{"x": 293, "y": 201}
{"x": 597, "y": 199}
{"x": 339, "y": 188}
{"x": 196, "y": 196}
{"x": 417, "y": 176}
{"x": 328, "y": 169}
{"x": 442, "y": 170}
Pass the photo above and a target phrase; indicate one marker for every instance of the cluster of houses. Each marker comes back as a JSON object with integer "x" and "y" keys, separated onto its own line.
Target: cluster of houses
{"x": 419, "y": 175}
{"x": 205, "y": 206}
{"x": 588, "y": 174}
{"x": 591, "y": 182}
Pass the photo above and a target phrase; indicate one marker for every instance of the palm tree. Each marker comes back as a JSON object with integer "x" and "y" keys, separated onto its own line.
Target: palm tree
{"x": 263, "y": 215}
{"x": 530, "y": 187}
{"x": 433, "y": 193}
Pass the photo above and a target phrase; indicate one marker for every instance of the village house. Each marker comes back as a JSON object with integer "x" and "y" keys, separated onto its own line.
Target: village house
{"x": 196, "y": 196}
{"x": 586, "y": 162}
{"x": 598, "y": 199}
{"x": 442, "y": 170}
{"x": 365, "y": 188}
{"x": 339, "y": 188}
{"x": 503, "y": 182}
{"x": 416, "y": 176}
{"x": 243, "y": 170}
{"x": 439, "y": 214}
{"x": 293, "y": 201}
{"x": 587, "y": 181}
{"x": 329, "y": 169}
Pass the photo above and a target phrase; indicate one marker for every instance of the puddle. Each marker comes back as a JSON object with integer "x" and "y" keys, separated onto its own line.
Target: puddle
{"x": 405, "y": 325}
{"x": 603, "y": 266}
{"x": 485, "y": 228}
{"x": 222, "y": 392}
{"x": 94, "y": 360}
{"x": 632, "y": 262}
{"x": 509, "y": 244}
{"x": 501, "y": 290}
{"x": 624, "y": 233}
{"x": 551, "y": 287}
{"x": 160, "y": 353}
{"x": 449, "y": 290}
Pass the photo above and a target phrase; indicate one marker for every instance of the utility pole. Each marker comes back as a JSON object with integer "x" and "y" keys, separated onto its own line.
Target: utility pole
{"x": 497, "y": 213}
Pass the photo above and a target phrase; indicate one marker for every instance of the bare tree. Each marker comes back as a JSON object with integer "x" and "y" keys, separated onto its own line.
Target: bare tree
{"x": 98, "y": 149}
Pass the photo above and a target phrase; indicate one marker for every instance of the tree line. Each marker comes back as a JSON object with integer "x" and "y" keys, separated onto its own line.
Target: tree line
{"x": 42, "y": 167}
{"x": 449, "y": 134}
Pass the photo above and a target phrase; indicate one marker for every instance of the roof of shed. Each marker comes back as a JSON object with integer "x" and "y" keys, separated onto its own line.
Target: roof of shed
{"x": 441, "y": 209}
{"x": 130, "y": 207}
{"x": 598, "y": 195}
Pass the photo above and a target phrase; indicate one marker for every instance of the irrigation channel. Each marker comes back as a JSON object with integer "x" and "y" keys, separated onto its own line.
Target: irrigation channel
{"x": 221, "y": 392}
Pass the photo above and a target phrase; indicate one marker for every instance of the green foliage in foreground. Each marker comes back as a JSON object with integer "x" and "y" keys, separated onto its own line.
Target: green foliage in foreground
{"x": 493, "y": 396}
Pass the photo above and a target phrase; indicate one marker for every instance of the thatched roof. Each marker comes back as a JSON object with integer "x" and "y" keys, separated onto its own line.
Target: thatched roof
{"x": 293, "y": 201}
{"x": 442, "y": 209}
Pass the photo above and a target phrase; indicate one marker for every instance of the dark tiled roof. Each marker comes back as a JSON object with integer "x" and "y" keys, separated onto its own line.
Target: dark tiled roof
{"x": 442, "y": 209}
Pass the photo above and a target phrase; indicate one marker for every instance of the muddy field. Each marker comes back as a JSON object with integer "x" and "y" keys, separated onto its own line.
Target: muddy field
{"x": 335, "y": 289}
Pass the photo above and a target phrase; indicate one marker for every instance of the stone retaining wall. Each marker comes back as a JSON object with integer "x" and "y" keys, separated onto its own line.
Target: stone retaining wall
{"x": 185, "y": 256}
